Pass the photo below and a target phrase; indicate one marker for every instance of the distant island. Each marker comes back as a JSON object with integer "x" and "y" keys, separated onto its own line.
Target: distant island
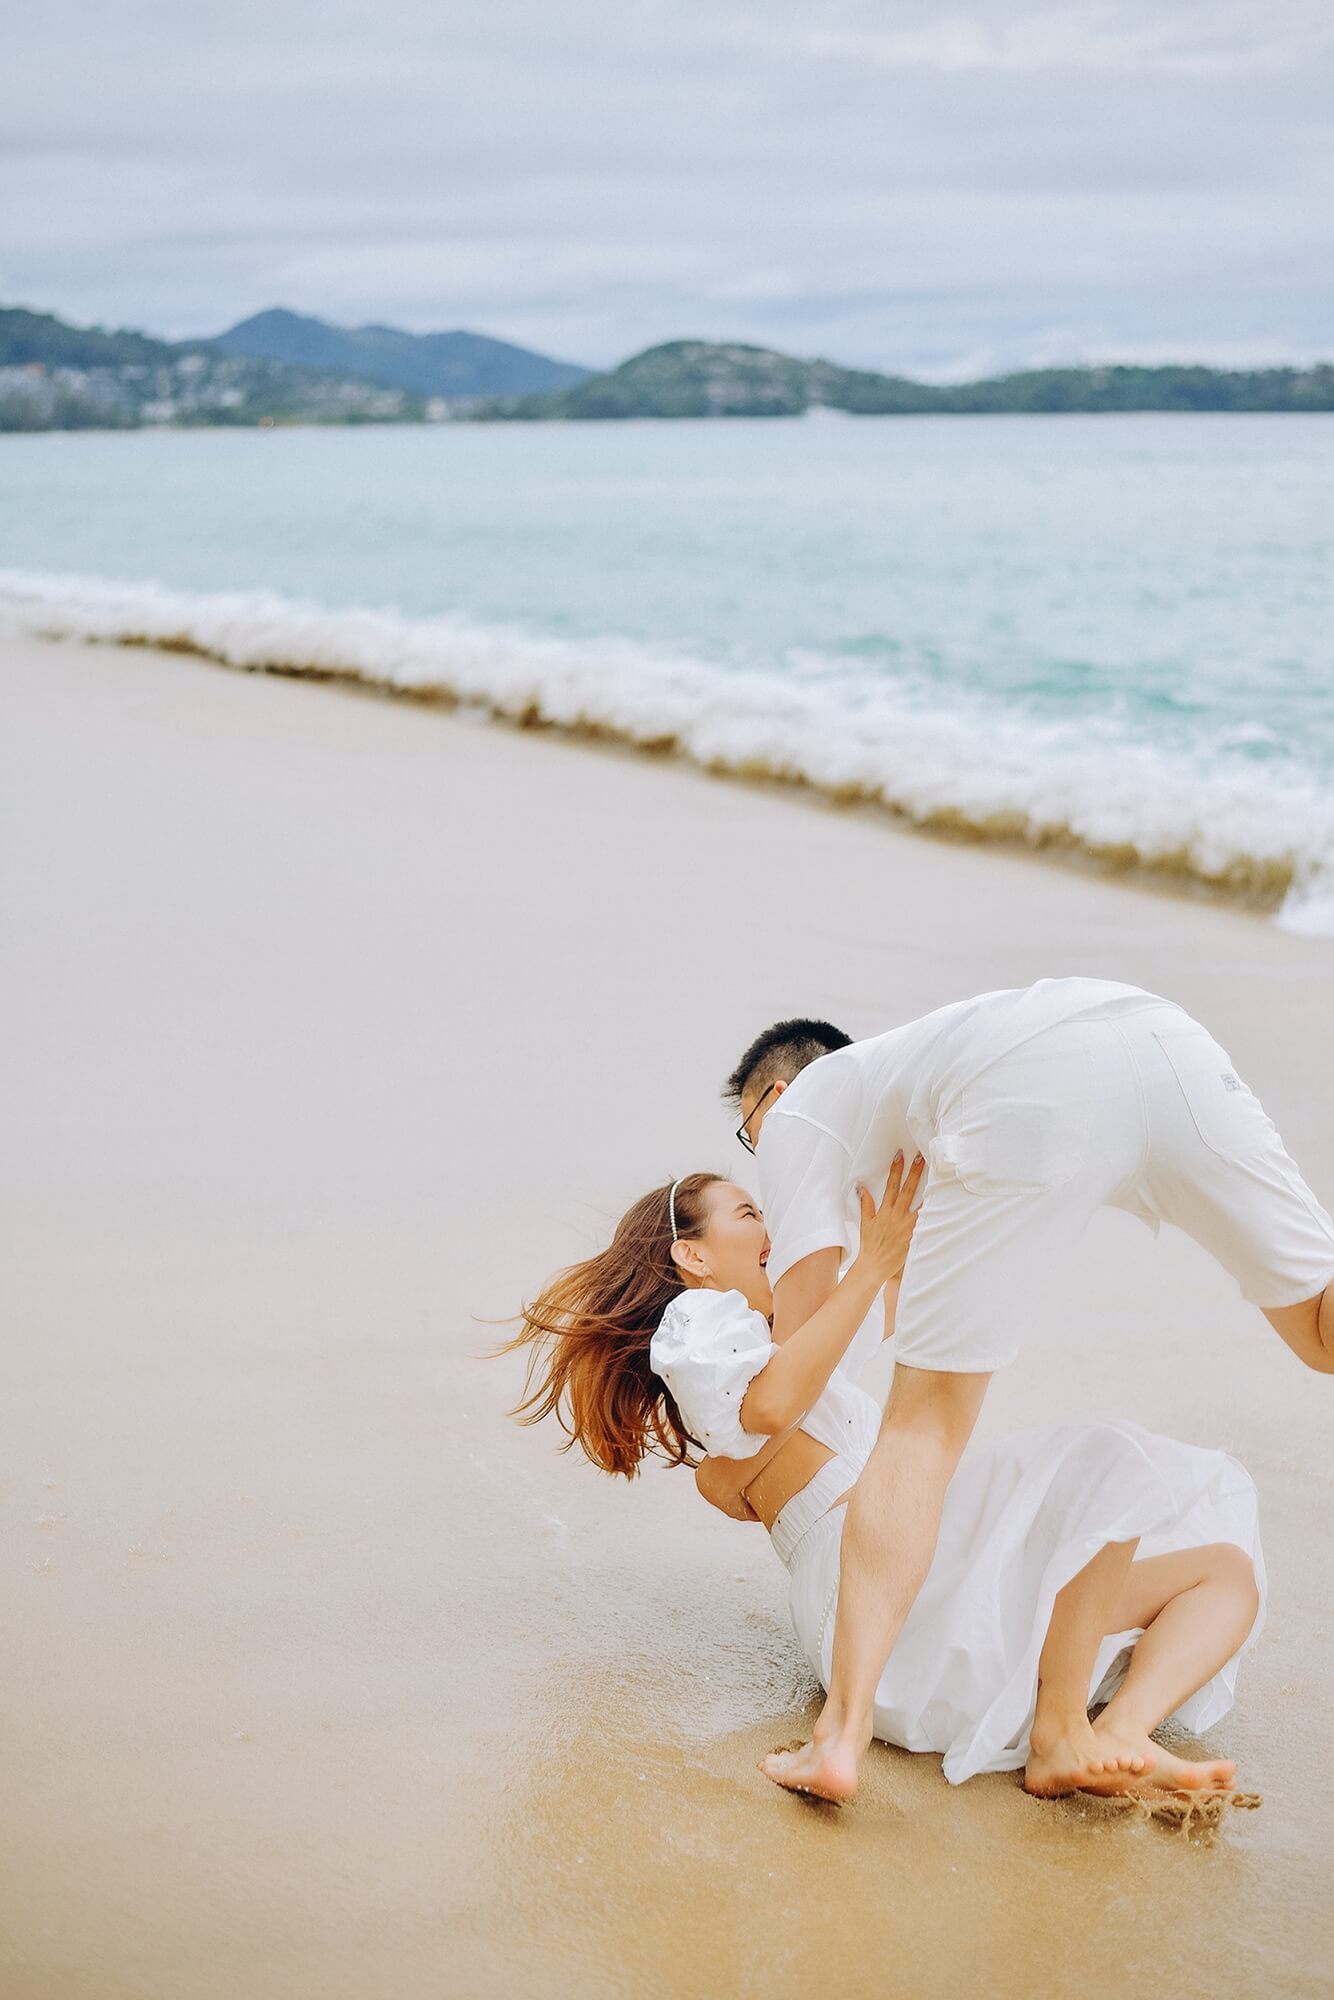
{"x": 456, "y": 366}
{"x": 282, "y": 368}
{"x": 276, "y": 368}
{"x": 696, "y": 378}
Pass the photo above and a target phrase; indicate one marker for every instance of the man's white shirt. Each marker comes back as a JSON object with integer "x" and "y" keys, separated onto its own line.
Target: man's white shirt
{"x": 842, "y": 1119}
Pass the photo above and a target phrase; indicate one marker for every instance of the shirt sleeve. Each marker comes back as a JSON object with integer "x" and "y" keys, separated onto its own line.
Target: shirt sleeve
{"x": 805, "y": 1190}
{"x": 708, "y": 1349}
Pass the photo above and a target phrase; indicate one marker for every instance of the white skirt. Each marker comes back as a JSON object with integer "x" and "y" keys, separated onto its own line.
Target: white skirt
{"x": 1021, "y": 1518}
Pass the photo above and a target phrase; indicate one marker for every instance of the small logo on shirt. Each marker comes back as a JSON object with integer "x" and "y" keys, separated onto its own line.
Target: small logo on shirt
{"x": 1231, "y": 1082}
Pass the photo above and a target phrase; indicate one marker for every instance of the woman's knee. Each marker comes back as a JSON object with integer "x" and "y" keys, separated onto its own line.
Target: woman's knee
{"x": 1308, "y": 1329}
{"x": 1233, "y": 1568}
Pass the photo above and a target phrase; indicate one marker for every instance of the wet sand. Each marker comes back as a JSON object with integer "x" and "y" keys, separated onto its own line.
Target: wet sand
{"x": 332, "y": 1025}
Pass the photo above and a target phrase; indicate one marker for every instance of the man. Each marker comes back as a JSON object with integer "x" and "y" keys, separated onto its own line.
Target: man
{"x": 1034, "y": 1108}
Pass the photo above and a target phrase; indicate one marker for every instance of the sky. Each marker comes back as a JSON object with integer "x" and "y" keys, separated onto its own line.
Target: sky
{"x": 935, "y": 191}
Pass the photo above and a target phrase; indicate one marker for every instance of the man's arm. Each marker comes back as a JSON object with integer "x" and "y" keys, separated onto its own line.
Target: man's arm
{"x": 801, "y": 1291}
{"x": 798, "y": 1373}
{"x": 892, "y": 1289}
{"x": 806, "y": 1177}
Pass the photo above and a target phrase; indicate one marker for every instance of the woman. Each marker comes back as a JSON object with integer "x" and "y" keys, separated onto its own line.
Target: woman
{"x": 660, "y": 1344}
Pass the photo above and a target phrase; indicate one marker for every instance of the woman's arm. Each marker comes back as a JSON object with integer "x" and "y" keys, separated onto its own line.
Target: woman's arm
{"x": 794, "y": 1378}
{"x": 723, "y": 1481}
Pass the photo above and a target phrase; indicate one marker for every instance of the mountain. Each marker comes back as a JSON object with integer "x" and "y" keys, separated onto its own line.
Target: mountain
{"x": 453, "y": 365}
{"x": 276, "y": 368}
{"x": 54, "y": 376}
{"x": 696, "y": 378}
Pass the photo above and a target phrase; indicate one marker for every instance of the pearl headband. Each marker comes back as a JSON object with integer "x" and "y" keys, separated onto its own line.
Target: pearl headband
{"x": 671, "y": 1208}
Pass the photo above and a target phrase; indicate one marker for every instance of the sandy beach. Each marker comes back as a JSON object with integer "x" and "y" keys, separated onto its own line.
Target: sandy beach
{"x": 332, "y": 1025}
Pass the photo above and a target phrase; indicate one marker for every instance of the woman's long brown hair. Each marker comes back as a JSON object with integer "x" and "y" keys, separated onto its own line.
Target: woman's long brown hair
{"x": 589, "y": 1331}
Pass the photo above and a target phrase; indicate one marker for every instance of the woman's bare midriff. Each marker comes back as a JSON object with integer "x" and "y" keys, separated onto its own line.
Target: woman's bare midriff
{"x": 790, "y": 1468}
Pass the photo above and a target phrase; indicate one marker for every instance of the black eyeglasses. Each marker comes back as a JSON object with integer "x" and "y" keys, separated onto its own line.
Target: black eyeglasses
{"x": 741, "y": 1132}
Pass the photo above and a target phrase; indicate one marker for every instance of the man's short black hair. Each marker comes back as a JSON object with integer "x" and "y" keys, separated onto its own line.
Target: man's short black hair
{"x": 782, "y": 1051}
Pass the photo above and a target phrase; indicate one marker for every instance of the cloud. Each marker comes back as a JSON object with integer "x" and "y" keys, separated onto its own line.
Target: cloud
{"x": 1241, "y": 39}
{"x": 903, "y": 189}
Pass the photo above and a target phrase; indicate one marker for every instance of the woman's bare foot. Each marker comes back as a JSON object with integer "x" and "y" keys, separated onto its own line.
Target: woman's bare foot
{"x": 826, "y": 1770}
{"x": 1170, "y": 1773}
{"x": 1074, "y": 1759}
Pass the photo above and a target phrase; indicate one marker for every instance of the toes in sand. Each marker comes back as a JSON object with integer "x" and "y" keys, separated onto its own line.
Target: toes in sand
{"x": 1077, "y": 1760}
{"x": 1170, "y": 1773}
{"x": 822, "y": 1771}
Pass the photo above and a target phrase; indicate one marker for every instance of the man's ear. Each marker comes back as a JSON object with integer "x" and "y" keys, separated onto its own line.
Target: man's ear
{"x": 780, "y": 1087}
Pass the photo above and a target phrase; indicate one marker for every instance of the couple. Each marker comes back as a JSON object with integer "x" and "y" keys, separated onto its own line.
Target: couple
{"x": 978, "y": 1603}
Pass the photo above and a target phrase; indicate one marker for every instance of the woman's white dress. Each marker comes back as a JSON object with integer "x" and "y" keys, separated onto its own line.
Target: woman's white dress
{"x": 1021, "y": 1517}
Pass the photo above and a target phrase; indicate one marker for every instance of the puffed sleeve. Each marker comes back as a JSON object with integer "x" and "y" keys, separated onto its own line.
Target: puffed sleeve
{"x": 708, "y": 1349}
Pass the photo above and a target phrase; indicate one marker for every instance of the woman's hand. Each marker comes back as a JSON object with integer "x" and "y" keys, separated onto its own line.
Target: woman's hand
{"x": 718, "y": 1479}
{"x": 887, "y": 1230}
{"x": 797, "y": 1374}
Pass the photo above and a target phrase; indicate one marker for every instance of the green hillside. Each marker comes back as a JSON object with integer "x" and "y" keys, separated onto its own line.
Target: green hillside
{"x": 693, "y": 378}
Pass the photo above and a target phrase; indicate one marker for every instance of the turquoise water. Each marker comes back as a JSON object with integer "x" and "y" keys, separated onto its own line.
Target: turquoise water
{"x": 1114, "y": 632}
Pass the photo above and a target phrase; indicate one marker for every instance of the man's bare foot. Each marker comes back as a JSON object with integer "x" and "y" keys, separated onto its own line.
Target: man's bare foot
{"x": 825, "y": 1770}
{"x": 1074, "y": 1759}
{"x": 1170, "y": 1773}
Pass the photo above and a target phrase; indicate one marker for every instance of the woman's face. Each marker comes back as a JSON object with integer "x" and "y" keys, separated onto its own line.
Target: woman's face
{"x": 734, "y": 1247}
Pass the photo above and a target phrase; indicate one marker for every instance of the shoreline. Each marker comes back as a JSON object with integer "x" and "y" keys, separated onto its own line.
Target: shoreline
{"x": 575, "y": 691}
{"x": 814, "y": 413}
{"x": 1059, "y": 851}
{"x": 332, "y": 1030}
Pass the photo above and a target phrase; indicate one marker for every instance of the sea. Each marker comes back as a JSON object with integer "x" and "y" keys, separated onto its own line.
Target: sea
{"x": 1107, "y": 637}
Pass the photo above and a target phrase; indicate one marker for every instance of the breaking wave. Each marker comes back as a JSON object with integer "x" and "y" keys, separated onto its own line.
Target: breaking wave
{"x": 977, "y": 768}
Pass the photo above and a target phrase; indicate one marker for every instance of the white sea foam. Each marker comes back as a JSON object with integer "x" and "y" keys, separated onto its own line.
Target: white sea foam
{"x": 984, "y": 770}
